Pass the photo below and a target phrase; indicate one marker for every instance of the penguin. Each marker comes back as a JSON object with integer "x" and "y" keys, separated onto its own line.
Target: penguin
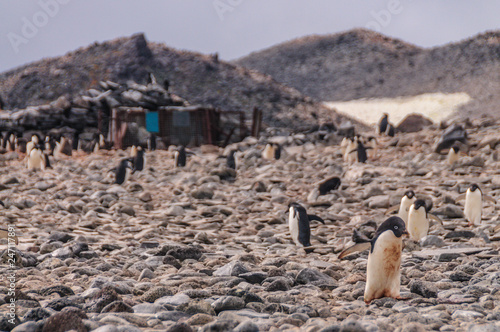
{"x": 298, "y": 222}
{"x": 328, "y": 185}
{"x": 361, "y": 156}
{"x": 76, "y": 141}
{"x": 373, "y": 147}
{"x": 139, "y": 161}
{"x": 404, "y": 207}
{"x": 418, "y": 224}
{"x": 390, "y": 131}
{"x": 474, "y": 204}
{"x": 50, "y": 145}
{"x": 152, "y": 142}
{"x": 31, "y": 144}
{"x": 383, "y": 270}
{"x": 382, "y": 125}
{"x": 180, "y": 157}
{"x": 268, "y": 152}
{"x": 133, "y": 151}
{"x": 277, "y": 151}
{"x": 231, "y": 160}
{"x": 36, "y": 158}
{"x": 123, "y": 171}
{"x": 46, "y": 161}
{"x": 351, "y": 147}
{"x": 344, "y": 144}
{"x": 453, "y": 154}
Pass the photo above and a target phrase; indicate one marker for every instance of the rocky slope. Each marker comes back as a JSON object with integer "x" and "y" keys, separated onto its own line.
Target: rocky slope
{"x": 200, "y": 79}
{"x": 192, "y": 250}
{"x": 362, "y": 64}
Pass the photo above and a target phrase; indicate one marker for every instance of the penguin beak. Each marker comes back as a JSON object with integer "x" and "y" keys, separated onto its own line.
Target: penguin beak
{"x": 405, "y": 232}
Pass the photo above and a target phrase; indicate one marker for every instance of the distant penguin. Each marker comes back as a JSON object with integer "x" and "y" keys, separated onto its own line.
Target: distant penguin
{"x": 50, "y": 145}
{"x": 133, "y": 151}
{"x": 383, "y": 270}
{"x": 382, "y": 125}
{"x": 418, "y": 224}
{"x": 268, "y": 152}
{"x": 231, "y": 160}
{"x": 76, "y": 141}
{"x": 453, "y": 154}
{"x": 390, "y": 131}
{"x": 36, "y": 158}
{"x": 298, "y": 223}
{"x": 344, "y": 144}
{"x": 46, "y": 160}
{"x": 351, "y": 147}
{"x": 123, "y": 171}
{"x": 63, "y": 147}
{"x": 152, "y": 142}
{"x": 362, "y": 156}
{"x": 373, "y": 147}
{"x": 31, "y": 144}
{"x": 404, "y": 207}
{"x": 139, "y": 161}
{"x": 328, "y": 185}
{"x": 180, "y": 157}
{"x": 474, "y": 204}
{"x": 277, "y": 151}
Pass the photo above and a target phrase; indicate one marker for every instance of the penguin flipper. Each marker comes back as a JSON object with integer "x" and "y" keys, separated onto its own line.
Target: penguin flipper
{"x": 355, "y": 248}
{"x": 489, "y": 198}
{"x": 314, "y": 217}
{"x": 460, "y": 197}
{"x": 392, "y": 209}
{"x": 435, "y": 218}
{"x": 358, "y": 237}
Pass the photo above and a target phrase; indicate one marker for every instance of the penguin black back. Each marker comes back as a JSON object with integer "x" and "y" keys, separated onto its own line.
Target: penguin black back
{"x": 362, "y": 156}
{"x": 138, "y": 160}
{"x": 152, "y": 142}
{"x": 180, "y": 157}
{"x": 231, "y": 160}
{"x": 390, "y": 131}
{"x": 328, "y": 185}
{"x": 121, "y": 171}
{"x": 277, "y": 152}
{"x": 382, "y": 126}
{"x": 394, "y": 224}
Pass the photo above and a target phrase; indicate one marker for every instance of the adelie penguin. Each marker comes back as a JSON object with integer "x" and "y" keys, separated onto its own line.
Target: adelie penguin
{"x": 474, "y": 204}
{"x": 123, "y": 171}
{"x": 272, "y": 151}
{"x": 139, "y": 160}
{"x": 298, "y": 223}
{"x": 152, "y": 142}
{"x": 36, "y": 158}
{"x": 180, "y": 157}
{"x": 383, "y": 271}
{"x": 382, "y": 125}
{"x": 418, "y": 220}
{"x": 231, "y": 160}
{"x": 404, "y": 207}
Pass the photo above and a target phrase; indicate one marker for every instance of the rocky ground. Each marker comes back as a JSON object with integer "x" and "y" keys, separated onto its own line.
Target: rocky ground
{"x": 193, "y": 250}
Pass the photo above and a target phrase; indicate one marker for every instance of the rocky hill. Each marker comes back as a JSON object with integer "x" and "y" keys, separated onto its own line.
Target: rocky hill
{"x": 200, "y": 79}
{"x": 362, "y": 64}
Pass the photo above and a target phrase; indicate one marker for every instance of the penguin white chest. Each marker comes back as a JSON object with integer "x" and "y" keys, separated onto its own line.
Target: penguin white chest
{"x": 383, "y": 276}
{"x": 293, "y": 224}
{"x": 473, "y": 207}
{"x": 268, "y": 152}
{"x": 176, "y": 157}
{"x": 404, "y": 208}
{"x": 35, "y": 159}
{"x": 418, "y": 224}
{"x": 452, "y": 157}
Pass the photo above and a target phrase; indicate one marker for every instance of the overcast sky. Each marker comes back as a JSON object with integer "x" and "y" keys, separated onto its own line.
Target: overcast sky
{"x": 31, "y": 30}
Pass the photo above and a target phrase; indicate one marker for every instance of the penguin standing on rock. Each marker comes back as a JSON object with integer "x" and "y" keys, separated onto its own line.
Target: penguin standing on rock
{"x": 454, "y": 154}
{"x": 123, "y": 171}
{"x": 268, "y": 152}
{"x": 382, "y": 125}
{"x": 180, "y": 157}
{"x": 139, "y": 161}
{"x": 418, "y": 220}
{"x": 36, "y": 158}
{"x": 231, "y": 160}
{"x": 298, "y": 222}
{"x": 404, "y": 207}
{"x": 383, "y": 271}
{"x": 474, "y": 204}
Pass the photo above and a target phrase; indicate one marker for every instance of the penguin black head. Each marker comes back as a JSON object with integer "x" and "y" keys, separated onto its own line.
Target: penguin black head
{"x": 473, "y": 187}
{"x": 394, "y": 224}
{"x": 419, "y": 203}
{"x": 456, "y": 148}
{"x": 410, "y": 194}
{"x": 385, "y": 116}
